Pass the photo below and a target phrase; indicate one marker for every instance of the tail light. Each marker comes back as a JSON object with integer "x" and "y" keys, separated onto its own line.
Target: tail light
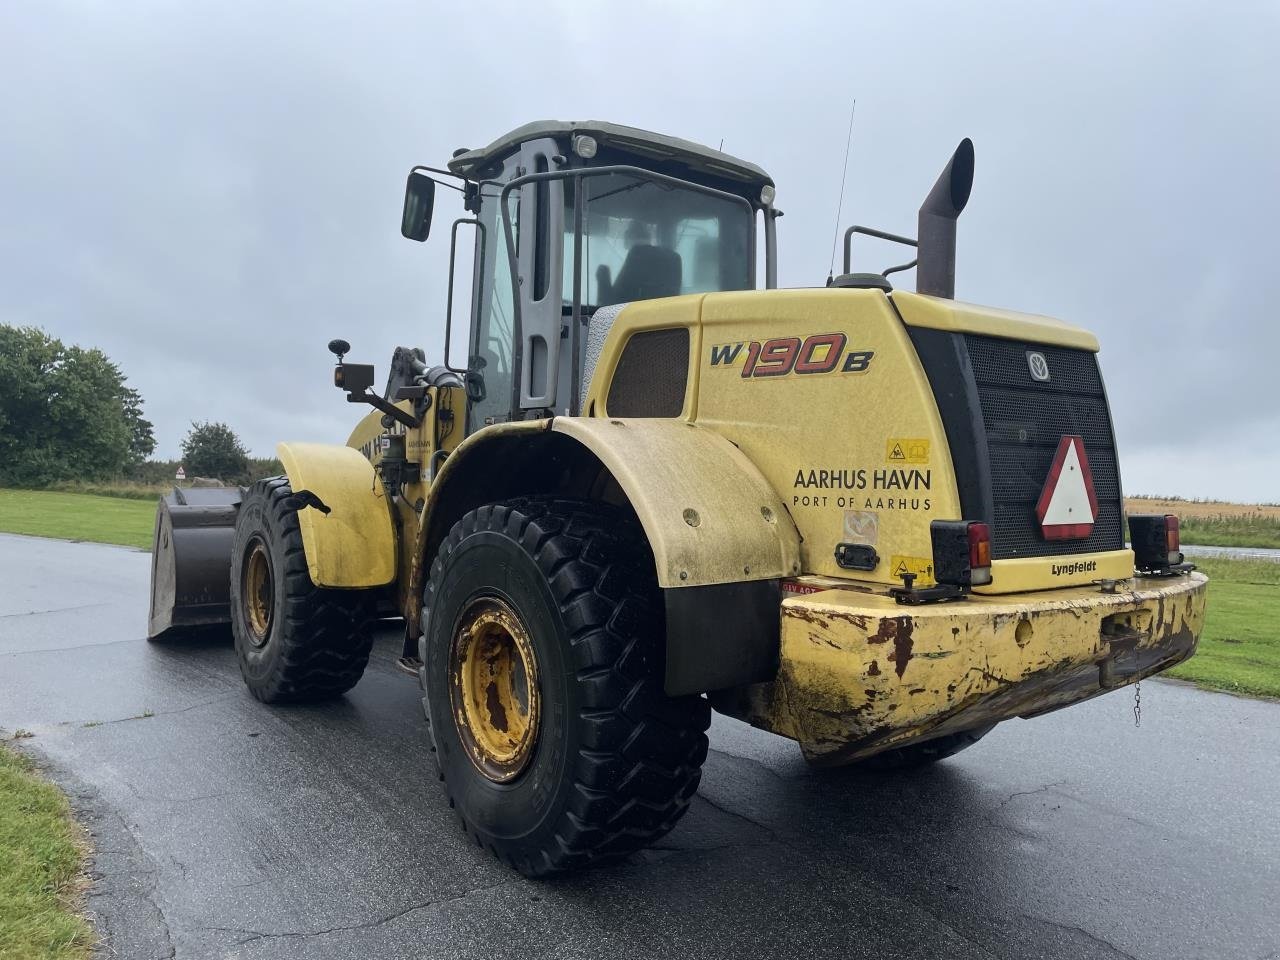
{"x": 979, "y": 553}
{"x": 1156, "y": 540}
{"x": 961, "y": 552}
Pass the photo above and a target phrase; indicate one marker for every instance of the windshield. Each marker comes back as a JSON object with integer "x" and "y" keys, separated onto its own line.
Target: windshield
{"x": 643, "y": 239}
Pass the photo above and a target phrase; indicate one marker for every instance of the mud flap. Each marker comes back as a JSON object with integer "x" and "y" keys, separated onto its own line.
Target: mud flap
{"x": 191, "y": 559}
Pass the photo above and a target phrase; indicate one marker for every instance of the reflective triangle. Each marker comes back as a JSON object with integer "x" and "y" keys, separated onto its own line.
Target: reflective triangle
{"x": 1068, "y": 505}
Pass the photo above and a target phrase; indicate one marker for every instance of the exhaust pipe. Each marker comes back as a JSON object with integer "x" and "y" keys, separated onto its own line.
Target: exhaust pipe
{"x": 936, "y": 271}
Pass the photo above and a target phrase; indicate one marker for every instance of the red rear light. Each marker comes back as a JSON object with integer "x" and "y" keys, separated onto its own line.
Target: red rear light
{"x": 1157, "y": 542}
{"x": 1172, "y": 538}
{"x": 961, "y": 552}
{"x": 979, "y": 545}
{"x": 979, "y": 553}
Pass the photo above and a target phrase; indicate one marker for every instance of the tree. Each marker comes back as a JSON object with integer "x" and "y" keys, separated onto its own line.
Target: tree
{"x": 65, "y": 412}
{"x": 213, "y": 450}
{"x": 142, "y": 439}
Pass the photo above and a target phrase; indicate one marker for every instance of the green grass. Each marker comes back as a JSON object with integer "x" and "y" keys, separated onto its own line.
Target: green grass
{"x": 76, "y": 516}
{"x": 1224, "y": 531}
{"x": 1240, "y": 649}
{"x": 40, "y": 863}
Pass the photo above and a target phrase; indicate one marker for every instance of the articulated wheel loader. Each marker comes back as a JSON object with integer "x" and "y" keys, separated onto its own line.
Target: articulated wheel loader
{"x": 875, "y": 521}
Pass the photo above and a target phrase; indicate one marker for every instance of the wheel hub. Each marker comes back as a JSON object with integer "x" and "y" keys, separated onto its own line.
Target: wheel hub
{"x": 493, "y": 683}
{"x": 258, "y": 590}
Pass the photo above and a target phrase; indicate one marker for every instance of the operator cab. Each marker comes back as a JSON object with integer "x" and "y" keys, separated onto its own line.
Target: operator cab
{"x": 596, "y": 214}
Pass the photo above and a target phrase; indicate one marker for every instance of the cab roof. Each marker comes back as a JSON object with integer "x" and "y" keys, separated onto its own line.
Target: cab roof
{"x": 643, "y": 143}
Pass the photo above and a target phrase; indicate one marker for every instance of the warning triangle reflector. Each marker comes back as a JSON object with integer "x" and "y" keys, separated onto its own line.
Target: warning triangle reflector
{"x": 1068, "y": 506}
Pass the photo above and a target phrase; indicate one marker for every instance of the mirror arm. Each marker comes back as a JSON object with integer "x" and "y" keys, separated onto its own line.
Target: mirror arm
{"x": 391, "y": 410}
{"x": 447, "y": 173}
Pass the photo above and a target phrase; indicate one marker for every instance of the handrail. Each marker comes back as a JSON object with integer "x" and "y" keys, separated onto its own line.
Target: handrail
{"x": 879, "y": 235}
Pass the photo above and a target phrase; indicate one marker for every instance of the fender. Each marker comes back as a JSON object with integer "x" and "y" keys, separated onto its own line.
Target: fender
{"x": 354, "y": 544}
{"x": 721, "y": 537}
{"x": 710, "y": 515}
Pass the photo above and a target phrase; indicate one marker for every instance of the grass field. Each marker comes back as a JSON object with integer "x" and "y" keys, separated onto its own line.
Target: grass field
{"x": 40, "y": 864}
{"x": 1212, "y": 523}
{"x": 76, "y": 516}
{"x": 1240, "y": 648}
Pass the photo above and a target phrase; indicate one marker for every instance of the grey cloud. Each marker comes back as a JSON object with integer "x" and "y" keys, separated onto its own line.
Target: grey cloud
{"x": 212, "y": 192}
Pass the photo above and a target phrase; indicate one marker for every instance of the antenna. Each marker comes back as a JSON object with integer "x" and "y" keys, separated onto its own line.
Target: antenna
{"x": 844, "y": 176}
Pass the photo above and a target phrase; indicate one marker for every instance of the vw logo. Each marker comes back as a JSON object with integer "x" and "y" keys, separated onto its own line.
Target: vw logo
{"x": 1038, "y": 366}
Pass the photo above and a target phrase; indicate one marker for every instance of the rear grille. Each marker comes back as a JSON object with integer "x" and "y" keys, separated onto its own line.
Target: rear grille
{"x": 1024, "y": 420}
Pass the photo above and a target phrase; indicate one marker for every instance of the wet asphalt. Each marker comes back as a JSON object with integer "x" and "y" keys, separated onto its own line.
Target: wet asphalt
{"x": 227, "y": 829}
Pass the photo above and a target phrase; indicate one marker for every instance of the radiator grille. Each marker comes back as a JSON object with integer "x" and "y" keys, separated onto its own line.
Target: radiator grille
{"x": 1024, "y": 420}
{"x": 652, "y": 375}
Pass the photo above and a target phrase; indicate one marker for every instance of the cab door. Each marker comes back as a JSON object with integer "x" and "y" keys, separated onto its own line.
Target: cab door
{"x": 512, "y": 374}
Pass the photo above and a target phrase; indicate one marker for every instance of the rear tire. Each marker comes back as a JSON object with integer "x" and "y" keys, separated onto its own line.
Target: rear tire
{"x": 917, "y": 755}
{"x": 295, "y": 641}
{"x": 612, "y": 762}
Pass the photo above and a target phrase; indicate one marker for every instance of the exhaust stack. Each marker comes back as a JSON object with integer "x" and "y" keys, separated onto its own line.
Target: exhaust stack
{"x": 936, "y": 271}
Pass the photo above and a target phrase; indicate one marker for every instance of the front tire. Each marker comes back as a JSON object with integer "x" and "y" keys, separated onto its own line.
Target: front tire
{"x": 543, "y": 642}
{"x": 295, "y": 641}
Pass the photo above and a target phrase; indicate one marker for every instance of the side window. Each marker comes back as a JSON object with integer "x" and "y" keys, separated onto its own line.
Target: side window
{"x": 494, "y": 333}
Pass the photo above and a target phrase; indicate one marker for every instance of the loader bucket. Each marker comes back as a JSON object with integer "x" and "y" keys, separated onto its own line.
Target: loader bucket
{"x": 191, "y": 559}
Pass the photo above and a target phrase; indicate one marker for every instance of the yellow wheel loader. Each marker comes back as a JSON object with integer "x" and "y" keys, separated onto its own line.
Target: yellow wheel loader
{"x": 875, "y": 521}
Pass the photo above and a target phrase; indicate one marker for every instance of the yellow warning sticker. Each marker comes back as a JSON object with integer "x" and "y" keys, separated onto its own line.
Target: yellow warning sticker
{"x": 921, "y": 567}
{"x": 907, "y": 450}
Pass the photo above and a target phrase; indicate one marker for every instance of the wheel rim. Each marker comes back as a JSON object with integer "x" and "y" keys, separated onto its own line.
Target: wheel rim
{"x": 258, "y": 590}
{"x": 493, "y": 682}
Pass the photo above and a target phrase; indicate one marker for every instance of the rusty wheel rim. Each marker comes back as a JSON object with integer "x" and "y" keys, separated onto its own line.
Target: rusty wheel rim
{"x": 258, "y": 591}
{"x": 493, "y": 683}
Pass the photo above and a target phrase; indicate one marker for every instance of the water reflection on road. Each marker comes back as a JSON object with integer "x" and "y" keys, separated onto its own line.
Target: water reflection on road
{"x": 1235, "y": 553}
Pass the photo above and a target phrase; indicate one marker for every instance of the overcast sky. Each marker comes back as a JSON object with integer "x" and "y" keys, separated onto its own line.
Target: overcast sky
{"x": 210, "y": 192}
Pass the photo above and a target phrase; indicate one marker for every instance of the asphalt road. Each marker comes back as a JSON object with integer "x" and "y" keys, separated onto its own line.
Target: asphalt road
{"x": 225, "y": 828}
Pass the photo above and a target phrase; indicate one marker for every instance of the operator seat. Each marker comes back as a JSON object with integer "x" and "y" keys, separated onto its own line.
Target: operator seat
{"x": 648, "y": 272}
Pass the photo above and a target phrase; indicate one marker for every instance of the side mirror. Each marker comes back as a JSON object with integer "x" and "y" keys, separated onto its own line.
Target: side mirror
{"x": 419, "y": 199}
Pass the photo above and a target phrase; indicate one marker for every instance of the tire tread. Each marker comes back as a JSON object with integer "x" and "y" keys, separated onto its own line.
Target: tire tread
{"x": 327, "y": 634}
{"x": 641, "y": 752}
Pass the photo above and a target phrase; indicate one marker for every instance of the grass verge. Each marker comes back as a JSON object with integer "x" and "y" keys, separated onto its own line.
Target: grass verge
{"x": 40, "y": 868}
{"x": 76, "y": 516}
{"x": 1240, "y": 649}
{"x": 124, "y": 489}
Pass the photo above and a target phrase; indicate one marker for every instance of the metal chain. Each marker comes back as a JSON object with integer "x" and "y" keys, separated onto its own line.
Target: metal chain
{"x": 1137, "y": 704}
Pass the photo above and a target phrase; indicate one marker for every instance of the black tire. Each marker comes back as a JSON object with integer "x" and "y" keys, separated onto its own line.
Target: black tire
{"x": 616, "y": 762}
{"x": 315, "y": 643}
{"x": 916, "y": 755}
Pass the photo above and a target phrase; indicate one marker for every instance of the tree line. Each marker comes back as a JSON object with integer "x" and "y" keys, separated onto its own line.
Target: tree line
{"x": 67, "y": 413}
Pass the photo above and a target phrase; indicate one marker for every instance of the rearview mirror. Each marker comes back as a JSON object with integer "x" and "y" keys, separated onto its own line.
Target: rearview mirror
{"x": 419, "y": 199}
